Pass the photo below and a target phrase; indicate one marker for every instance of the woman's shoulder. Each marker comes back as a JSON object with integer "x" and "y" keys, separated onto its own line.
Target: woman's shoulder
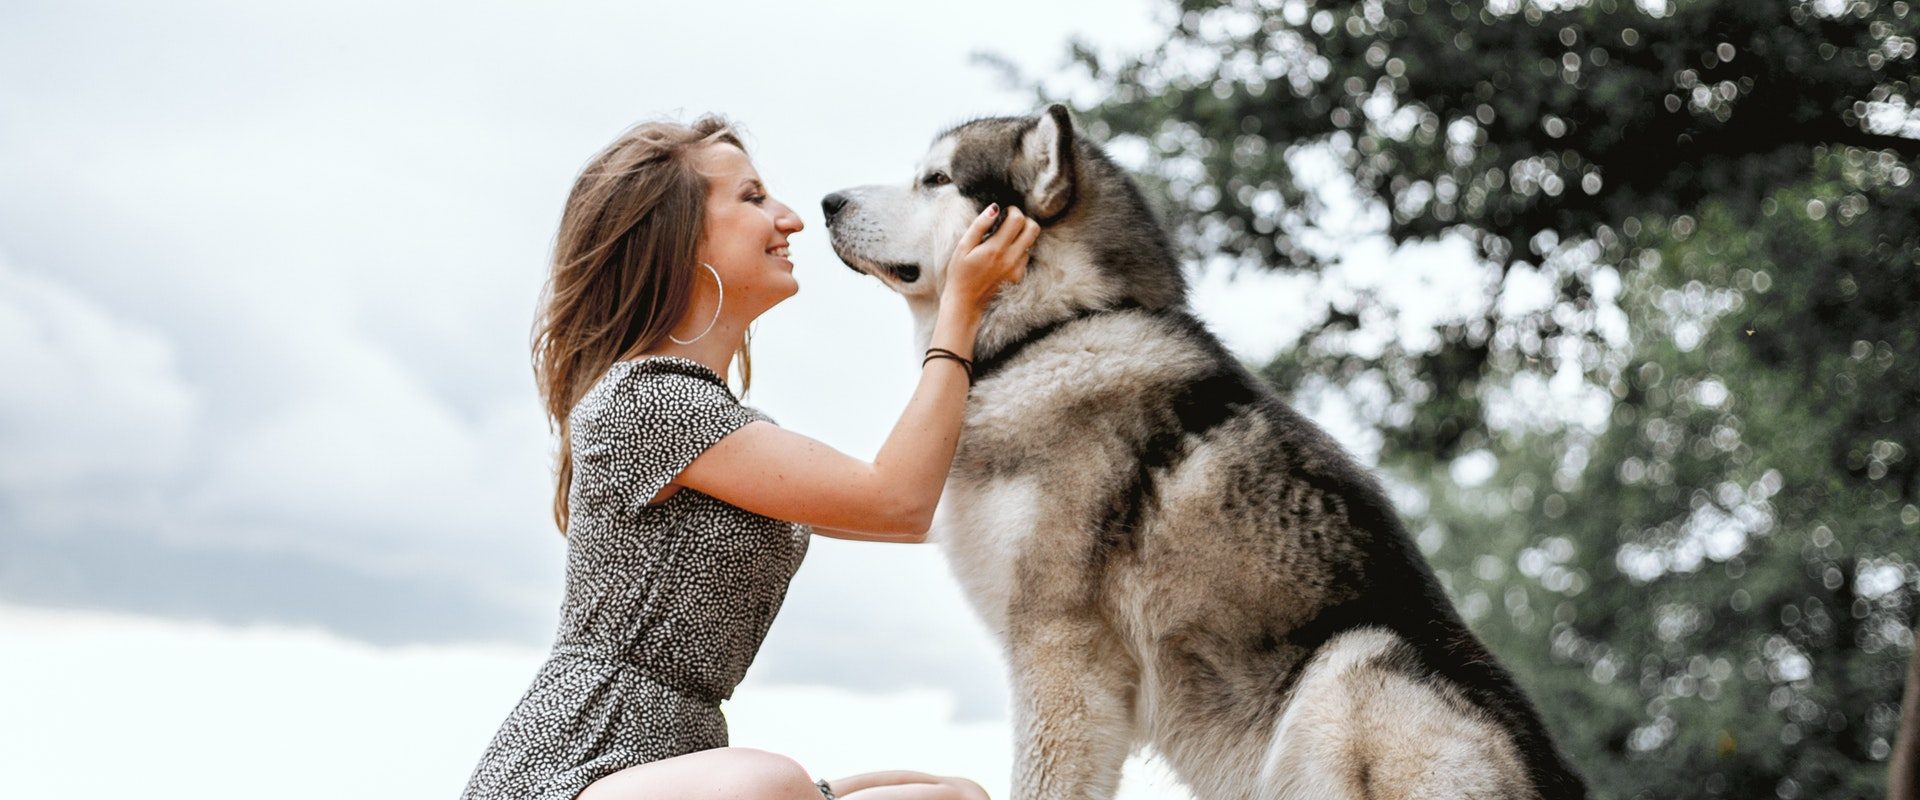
{"x": 643, "y": 421}
{"x": 666, "y": 386}
{"x": 668, "y": 374}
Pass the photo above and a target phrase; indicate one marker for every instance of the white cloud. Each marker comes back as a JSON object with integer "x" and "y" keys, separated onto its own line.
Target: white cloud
{"x": 90, "y": 400}
{"x": 105, "y": 430}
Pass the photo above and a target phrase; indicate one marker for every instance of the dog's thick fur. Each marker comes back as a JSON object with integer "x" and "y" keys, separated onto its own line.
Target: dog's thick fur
{"x": 1169, "y": 553}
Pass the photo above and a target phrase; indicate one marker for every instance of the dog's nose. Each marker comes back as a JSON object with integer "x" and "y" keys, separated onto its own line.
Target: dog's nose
{"x": 833, "y": 203}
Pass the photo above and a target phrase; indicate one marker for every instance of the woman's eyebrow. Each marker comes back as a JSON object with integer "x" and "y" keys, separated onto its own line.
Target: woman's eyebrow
{"x": 753, "y": 182}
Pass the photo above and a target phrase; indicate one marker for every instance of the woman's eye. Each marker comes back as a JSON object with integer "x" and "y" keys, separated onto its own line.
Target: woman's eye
{"x": 757, "y": 199}
{"x": 937, "y": 179}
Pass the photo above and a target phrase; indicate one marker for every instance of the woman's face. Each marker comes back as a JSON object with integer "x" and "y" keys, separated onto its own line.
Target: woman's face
{"x": 746, "y": 235}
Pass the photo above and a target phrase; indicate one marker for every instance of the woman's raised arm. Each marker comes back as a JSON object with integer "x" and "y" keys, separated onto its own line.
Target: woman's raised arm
{"x": 772, "y": 471}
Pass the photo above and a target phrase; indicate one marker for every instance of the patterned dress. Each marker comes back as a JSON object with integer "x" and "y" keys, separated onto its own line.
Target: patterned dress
{"x": 665, "y": 604}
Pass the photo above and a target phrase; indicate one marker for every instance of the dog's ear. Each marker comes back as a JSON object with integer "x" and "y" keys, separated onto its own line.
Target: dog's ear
{"x": 1048, "y": 148}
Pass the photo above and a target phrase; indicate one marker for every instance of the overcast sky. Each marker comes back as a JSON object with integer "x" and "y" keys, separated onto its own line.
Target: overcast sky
{"x": 267, "y": 272}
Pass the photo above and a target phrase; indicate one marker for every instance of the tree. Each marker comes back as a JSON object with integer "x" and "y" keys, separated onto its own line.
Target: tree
{"x": 1691, "y": 526}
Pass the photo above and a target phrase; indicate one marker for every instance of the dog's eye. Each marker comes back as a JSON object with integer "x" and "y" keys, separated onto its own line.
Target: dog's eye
{"x": 936, "y": 179}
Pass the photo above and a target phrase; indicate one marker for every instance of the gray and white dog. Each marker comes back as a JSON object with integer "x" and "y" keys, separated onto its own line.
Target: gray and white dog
{"x": 1169, "y": 553}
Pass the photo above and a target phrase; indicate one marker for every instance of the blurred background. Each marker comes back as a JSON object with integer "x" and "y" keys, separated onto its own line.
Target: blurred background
{"x": 1621, "y": 299}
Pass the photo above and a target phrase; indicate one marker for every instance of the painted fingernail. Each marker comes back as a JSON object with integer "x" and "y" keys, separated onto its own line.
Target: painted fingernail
{"x": 992, "y": 209}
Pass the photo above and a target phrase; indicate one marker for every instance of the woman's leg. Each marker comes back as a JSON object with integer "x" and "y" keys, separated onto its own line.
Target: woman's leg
{"x": 723, "y": 773}
{"x": 905, "y": 785}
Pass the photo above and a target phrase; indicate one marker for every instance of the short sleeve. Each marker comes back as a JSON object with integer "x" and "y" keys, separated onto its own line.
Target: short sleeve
{"x": 651, "y": 423}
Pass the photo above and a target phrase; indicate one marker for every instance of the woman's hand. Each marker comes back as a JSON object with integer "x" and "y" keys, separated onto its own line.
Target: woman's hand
{"x": 978, "y": 269}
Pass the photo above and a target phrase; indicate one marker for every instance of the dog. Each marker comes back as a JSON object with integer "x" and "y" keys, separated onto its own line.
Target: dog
{"x": 1169, "y": 554}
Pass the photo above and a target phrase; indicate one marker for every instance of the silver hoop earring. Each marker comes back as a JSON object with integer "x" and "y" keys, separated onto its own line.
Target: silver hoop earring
{"x": 716, "y": 307}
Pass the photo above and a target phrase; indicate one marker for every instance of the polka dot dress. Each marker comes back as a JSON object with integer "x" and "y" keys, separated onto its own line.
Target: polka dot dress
{"x": 665, "y": 604}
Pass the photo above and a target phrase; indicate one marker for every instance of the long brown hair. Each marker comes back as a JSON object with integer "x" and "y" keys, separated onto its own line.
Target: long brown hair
{"x": 624, "y": 266}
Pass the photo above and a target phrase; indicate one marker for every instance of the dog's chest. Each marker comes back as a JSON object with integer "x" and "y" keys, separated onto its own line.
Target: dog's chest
{"x": 1041, "y": 444}
{"x": 985, "y": 526}
{"x": 1024, "y": 469}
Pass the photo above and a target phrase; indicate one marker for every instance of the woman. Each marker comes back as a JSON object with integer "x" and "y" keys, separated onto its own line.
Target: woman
{"x": 685, "y": 511}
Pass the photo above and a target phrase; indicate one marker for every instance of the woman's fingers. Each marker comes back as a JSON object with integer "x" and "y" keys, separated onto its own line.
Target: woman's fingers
{"x": 1015, "y": 218}
{"x": 1001, "y": 259}
{"x": 1013, "y": 260}
{"x": 978, "y": 230}
{"x": 1028, "y": 233}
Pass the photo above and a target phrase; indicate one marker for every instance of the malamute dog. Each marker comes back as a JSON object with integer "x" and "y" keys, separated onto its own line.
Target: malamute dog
{"x": 1168, "y": 552}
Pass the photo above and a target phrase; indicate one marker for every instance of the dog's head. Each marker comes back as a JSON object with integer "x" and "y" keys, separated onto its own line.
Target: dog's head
{"x": 1098, "y": 241}
{"x": 904, "y": 233}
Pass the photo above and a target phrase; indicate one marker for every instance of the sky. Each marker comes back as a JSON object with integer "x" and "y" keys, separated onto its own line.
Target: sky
{"x": 273, "y": 473}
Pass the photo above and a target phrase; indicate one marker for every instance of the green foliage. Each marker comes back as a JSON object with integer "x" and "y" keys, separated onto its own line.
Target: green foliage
{"x": 1712, "y": 594}
{"x": 1685, "y": 511}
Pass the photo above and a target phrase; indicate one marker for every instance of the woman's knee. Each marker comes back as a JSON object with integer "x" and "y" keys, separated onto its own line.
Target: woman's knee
{"x": 754, "y": 774}
{"x": 733, "y": 773}
{"x": 965, "y": 789}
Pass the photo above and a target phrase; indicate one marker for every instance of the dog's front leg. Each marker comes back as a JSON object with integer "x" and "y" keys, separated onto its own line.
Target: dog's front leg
{"x": 1073, "y": 694}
